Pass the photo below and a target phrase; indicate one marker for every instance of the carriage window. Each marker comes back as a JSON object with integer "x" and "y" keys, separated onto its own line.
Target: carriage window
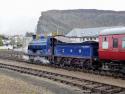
{"x": 123, "y": 43}
{"x": 104, "y": 39}
{"x": 104, "y": 43}
{"x": 115, "y": 43}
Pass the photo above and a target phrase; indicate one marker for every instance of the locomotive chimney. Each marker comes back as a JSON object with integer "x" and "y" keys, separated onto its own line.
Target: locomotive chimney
{"x": 34, "y": 37}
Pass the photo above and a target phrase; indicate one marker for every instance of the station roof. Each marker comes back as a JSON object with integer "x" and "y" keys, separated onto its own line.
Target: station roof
{"x": 112, "y": 31}
{"x": 65, "y": 39}
{"x": 88, "y": 32}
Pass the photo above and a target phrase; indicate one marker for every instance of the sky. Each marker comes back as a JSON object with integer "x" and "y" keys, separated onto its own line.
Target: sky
{"x": 21, "y": 16}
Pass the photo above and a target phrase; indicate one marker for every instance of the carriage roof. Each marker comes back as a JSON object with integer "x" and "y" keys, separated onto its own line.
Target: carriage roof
{"x": 113, "y": 31}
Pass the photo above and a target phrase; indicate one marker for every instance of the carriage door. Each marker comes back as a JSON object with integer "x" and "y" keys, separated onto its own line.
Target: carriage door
{"x": 115, "y": 46}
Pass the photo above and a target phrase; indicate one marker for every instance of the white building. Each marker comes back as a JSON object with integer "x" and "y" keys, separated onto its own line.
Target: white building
{"x": 86, "y": 34}
{"x": 6, "y": 43}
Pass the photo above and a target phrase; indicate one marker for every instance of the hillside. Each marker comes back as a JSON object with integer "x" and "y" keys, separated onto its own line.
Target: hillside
{"x": 66, "y": 20}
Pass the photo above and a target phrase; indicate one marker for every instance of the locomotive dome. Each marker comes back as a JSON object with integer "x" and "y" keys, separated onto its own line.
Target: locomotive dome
{"x": 113, "y": 31}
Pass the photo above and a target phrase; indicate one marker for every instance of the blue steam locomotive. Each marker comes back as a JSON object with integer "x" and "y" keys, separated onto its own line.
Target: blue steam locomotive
{"x": 59, "y": 50}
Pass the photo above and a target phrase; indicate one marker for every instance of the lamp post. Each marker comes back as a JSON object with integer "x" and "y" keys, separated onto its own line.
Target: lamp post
{"x": 57, "y": 27}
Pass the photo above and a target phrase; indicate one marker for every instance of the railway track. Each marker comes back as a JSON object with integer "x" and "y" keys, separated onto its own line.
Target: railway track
{"x": 18, "y": 56}
{"x": 85, "y": 85}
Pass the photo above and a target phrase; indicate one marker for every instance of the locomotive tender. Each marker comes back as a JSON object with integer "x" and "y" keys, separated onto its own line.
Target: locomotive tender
{"x": 108, "y": 53}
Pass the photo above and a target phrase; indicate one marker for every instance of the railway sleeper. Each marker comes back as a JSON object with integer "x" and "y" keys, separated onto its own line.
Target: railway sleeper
{"x": 103, "y": 89}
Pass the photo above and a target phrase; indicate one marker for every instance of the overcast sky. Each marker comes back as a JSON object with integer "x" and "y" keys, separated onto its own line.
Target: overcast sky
{"x": 20, "y": 16}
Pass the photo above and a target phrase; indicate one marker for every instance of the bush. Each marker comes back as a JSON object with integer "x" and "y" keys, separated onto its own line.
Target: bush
{"x": 1, "y": 42}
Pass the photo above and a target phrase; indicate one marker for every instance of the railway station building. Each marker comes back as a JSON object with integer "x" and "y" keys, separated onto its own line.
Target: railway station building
{"x": 86, "y": 34}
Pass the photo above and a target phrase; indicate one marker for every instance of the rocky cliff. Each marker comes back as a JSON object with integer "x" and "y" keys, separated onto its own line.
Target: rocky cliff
{"x": 66, "y": 20}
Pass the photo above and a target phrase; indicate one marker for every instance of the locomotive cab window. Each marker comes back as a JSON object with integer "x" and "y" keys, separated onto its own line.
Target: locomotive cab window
{"x": 115, "y": 43}
{"x": 104, "y": 43}
{"x": 123, "y": 42}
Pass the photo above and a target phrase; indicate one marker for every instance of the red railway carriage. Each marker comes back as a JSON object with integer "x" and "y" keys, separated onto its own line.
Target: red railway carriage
{"x": 112, "y": 45}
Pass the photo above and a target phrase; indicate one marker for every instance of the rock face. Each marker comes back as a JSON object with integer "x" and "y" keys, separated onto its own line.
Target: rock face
{"x": 66, "y": 20}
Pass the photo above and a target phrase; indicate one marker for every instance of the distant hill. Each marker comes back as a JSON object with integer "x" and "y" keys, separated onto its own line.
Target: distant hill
{"x": 66, "y": 20}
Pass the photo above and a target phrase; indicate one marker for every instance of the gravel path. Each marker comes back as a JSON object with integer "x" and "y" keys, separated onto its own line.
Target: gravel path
{"x": 88, "y": 76}
{"x": 15, "y": 83}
